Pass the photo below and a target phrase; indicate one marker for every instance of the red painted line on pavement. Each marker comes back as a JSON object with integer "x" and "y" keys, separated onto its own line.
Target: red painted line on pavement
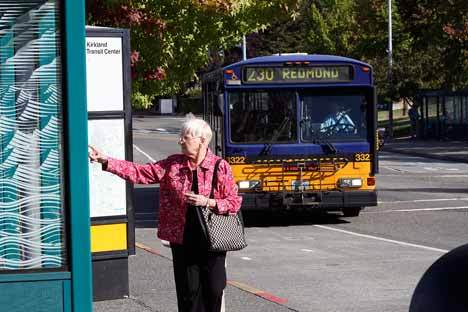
{"x": 247, "y": 288}
{"x": 151, "y": 250}
{"x": 257, "y": 292}
{"x": 148, "y": 249}
{"x": 272, "y": 298}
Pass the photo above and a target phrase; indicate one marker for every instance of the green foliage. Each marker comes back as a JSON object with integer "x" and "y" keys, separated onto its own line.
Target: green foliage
{"x": 282, "y": 37}
{"x": 439, "y": 32}
{"x": 430, "y": 40}
{"x": 141, "y": 101}
{"x": 172, "y": 40}
{"x": 175, "y": 41}
{"x": 193, "y": 92}
{"x": 331, "y": 27}
{"x": 372, "y": 44}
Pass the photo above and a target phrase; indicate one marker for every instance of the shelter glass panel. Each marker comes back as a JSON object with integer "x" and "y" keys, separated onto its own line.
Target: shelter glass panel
{"x": 452, "y": 109}
{"x": 432, "y": 123}
{"x": 31, "y": 188}
{"x": 431, "y": 106}
{"x": 465, "y": 109}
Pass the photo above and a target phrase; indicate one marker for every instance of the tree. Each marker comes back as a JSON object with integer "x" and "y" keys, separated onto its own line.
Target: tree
{"x": 284, "y": 34}
{"x": 171, "y": 39}
{"x": 430, "y": 40}
{"x": 439, "y": 47}
{"x": 175, "y": 41}
{"x": 350, "y": 28}
{"x": 332, "y": 27}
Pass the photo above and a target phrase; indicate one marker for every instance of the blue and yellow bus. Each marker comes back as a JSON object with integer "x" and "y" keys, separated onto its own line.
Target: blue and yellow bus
{"x": 299, "y": 131}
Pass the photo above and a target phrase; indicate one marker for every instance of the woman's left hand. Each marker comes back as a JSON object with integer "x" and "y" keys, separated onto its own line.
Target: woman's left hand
{"x": 196, "y": 199}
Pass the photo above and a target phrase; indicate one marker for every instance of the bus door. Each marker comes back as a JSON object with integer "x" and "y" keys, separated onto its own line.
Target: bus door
{"x": 214, "y": 114}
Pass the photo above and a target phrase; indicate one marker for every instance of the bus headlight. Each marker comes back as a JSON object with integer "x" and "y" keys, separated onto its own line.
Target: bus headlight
{"x": 350, "y": 182}
{"x": 248, "y": 185}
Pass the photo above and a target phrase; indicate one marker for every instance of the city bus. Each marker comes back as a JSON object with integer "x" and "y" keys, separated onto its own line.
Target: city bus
{"x": 298, "y": 130}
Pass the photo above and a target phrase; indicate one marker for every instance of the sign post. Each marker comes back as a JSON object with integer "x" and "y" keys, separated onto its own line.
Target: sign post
{"x": 109, "y": 130}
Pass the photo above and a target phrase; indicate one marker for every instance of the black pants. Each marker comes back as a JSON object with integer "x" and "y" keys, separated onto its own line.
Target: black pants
{"x": 200, "y": 275}
{"x": 200, "y": 279}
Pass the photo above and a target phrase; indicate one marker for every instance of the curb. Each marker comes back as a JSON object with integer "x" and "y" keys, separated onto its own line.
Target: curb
{"x": 421, "y": 154}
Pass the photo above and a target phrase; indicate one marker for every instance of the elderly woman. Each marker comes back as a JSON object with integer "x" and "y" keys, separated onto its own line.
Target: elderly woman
{"x": 185, "y": 182}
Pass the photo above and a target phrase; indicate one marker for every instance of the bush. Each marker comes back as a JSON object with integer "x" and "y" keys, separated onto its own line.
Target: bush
{"x": 141, "y": 101}
{"x": 190, "y": 105}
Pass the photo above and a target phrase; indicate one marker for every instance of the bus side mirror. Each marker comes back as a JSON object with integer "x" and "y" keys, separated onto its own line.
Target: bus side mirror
{"x": 221, "y": 103}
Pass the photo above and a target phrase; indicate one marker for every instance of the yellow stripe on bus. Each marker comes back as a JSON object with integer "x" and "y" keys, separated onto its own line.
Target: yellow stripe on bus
{"x": 275, "y": 178}
{"x": 108, "y": 237}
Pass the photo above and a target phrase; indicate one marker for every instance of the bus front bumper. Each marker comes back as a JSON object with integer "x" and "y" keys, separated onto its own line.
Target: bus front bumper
{"x": 327, "y": 201}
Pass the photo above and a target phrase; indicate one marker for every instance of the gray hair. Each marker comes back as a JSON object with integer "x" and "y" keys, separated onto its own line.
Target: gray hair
{"x": 196, "y": 127}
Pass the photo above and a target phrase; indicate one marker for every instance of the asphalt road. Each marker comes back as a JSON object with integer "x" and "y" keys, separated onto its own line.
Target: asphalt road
{"x": 328, "y": 262}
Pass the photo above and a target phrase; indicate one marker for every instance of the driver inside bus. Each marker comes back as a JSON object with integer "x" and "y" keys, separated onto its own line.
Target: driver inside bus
{"x": 246, "y": 128}
{"x": 338, "y": 121}
{"x": 280, "y": 118}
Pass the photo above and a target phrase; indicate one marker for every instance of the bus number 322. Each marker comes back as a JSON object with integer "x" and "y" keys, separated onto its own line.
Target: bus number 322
{"x": 236, "y": 159}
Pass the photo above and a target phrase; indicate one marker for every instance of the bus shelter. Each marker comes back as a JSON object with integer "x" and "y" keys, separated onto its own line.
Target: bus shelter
{"x": 443, "y": 114}
{"x": 45, "y": 260}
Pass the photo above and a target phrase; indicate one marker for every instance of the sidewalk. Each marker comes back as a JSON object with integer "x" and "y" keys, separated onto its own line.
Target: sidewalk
{"x": 456, "y": 151}
{"x": 152, "y": 284}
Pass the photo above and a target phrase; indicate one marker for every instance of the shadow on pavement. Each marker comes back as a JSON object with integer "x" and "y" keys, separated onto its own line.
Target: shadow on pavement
{"x": 397, "y": 158}
{"x": 146, "y": 205}
{"x": 265, "y": 219}
{"x": 426, "y": 189}
{"x": 450, "y": 150}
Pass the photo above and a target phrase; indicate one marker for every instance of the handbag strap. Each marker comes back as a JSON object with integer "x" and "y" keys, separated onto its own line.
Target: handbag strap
{"x": 214, "y": 181}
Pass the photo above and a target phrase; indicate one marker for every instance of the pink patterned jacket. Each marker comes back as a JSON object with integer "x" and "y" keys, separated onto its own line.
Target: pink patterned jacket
{"x": 175, "y": 178}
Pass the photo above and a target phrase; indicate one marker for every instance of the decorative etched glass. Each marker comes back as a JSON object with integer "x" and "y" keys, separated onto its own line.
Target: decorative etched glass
{"x": 31, "y": 186}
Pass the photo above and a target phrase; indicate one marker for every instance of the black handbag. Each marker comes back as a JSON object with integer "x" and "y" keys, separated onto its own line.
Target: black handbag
{"x": 223, "y": 232}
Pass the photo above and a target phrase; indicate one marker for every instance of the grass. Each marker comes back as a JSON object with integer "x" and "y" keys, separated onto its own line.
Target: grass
{"x": 401, "y": 123}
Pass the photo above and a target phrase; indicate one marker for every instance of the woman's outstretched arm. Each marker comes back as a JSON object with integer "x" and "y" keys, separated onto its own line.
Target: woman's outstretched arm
{"x": 139, "y": 174}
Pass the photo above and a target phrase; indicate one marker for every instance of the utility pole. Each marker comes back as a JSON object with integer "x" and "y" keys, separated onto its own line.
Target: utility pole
{"x": 244, "y": 48}
{"x": 390, "y": 74}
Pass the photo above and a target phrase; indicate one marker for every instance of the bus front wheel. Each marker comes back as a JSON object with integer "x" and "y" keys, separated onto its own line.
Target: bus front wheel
{"x": 351, "y": 211}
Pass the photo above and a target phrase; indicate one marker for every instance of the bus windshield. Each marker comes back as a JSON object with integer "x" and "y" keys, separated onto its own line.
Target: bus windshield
{"x": 333, "y": 117}
{"x": 263, "y": 116}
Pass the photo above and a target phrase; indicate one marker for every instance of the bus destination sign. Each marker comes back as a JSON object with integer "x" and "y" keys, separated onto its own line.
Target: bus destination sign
{"x": 277, "y": 74}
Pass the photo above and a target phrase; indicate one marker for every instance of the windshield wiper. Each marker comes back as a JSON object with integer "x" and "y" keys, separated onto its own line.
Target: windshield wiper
{"x": 267, "y": 147}
{"x": 327, "y": 147}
